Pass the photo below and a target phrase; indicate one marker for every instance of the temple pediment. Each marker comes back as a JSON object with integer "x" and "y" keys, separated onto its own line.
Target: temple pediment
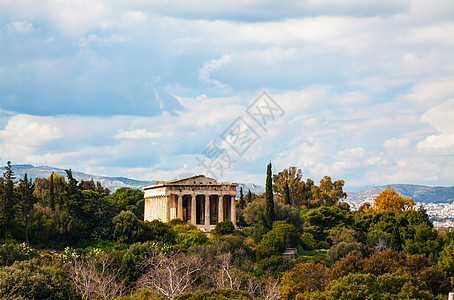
{"x": 193, "y": 180}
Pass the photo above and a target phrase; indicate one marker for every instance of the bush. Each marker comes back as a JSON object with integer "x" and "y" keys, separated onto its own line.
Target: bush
{"x": 277, "y": 239}
{"x": 127, "y": 228}
{"x": 273, "y": 265}
{"x": 159, "y": 232}
{"x": 27, "y": 280}
{"x": 188, "y": 236}
{"x": 341, "y": 250}
{"x": 11, "y": 252}
{"x": 225, "y": 227}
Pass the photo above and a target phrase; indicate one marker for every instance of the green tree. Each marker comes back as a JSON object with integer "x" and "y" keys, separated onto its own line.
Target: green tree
{"x": 128, "y": 199}
{"x": 328, "y": 193}
{"x": 51, "y": 192}
{"x": 292, "y": 178}
{"x": 277, "y": 239}
{"x": 26, "y": 201}
{"x": 241, "y": 202}
{"x": 249, "y": 197}
{"x": 127, "y": 228}
{"x": 8, "y": 199}
{"x": 254, "y": 213}
{"x": 396, "y": 241}
{"x": 269, "y": 204}
{"x": 91, "y": 186}
{"x": 98, "y": 215}
{"x": 368, "y": 286}
{"x": 322, "y": 221}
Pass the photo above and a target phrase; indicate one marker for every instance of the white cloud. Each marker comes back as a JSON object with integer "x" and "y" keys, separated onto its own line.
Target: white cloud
{"x": 137, "y": 134}
{"x": 21, "y": 26}
{"x": 211, "y": 66}
{"x": 431, "y": 91}
{"x": 112, "y": 39}
{"x": 28, "y": 130}
{"x": 351, "y": 98}
{"x": 441, "y": 117}
{"x": 396, "y": 143}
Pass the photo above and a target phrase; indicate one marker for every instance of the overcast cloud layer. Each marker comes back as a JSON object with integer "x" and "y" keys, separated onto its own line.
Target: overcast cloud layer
{"x": 140, "y": 88}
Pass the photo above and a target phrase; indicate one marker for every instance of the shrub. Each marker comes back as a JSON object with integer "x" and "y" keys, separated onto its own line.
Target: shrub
{"x": 277, "y": 239}
{"x": 127, "y": 228}
{"x": 11, "y": 252}
{"x": 27, "y": 280}
{"x": 225, "y": 227}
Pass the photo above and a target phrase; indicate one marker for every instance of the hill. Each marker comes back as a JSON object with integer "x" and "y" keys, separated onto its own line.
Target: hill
{"x": 419, "y": 193}
{"x": 111, "y": 183}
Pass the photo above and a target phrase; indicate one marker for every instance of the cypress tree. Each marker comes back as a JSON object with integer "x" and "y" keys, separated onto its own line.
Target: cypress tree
{"x": 241, "y": 201}
{"x": 287, "y": 194}
{"x": 396, "y": 241}
{"x": 249, "y": 197}
{"x": 269, "y": 204}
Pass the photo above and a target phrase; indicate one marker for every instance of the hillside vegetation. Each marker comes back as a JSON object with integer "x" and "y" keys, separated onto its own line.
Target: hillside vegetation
{"x": 69, "y": 239}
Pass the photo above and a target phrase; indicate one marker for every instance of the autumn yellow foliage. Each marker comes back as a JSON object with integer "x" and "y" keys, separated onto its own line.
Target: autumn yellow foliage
{"x": 390, "y": 200}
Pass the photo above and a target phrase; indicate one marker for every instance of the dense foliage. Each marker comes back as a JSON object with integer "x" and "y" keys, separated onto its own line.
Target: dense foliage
{"x": 64, "y": 239}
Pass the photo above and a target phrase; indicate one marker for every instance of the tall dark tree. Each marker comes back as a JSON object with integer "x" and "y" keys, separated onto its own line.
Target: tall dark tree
{"x": 287, "y": 194}
{"x": 396, "y": 241}
{"x": 249, "y": 197}
{"x": 7, "y": 199}
{"x": 73, "y": 198}
{"x": 241, "y": 202}
{"x": 25, "y": 203}
{"x": 51, "y": 191}
{"x": 269, "y": 204}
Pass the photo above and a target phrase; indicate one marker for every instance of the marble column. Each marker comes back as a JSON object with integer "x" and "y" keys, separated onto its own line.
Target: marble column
{"x": 193, "y": 210}
{"x": 179, "y": 206}
{"x": 167, "y": 202}
{"x": 207, "y": 209}
{"x": 220, "y": 208}
{"x": 233, "y": 209}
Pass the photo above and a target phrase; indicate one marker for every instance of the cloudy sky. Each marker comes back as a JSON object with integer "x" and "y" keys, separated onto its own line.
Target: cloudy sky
{"x": 147, "y": 89}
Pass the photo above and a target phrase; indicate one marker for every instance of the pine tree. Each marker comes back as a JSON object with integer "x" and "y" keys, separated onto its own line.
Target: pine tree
{"x": 269, "y": 204}
{"x": 396, "y": 241}
{"x": 7, "y": 199}
{"x": 26, "y": 202}
{"x": 287, "y": 194}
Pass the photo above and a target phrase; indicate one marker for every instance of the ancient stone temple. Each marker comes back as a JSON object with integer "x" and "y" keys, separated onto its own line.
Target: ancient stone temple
{"x": 198, "y": 200}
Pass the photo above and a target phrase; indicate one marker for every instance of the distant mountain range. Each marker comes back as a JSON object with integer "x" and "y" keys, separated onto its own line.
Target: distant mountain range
{"x": 111, "y": 183}
{"x": 419, "y": 193}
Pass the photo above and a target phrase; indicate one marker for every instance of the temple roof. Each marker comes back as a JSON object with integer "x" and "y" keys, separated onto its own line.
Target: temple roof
{"x": 193, "y": 180}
